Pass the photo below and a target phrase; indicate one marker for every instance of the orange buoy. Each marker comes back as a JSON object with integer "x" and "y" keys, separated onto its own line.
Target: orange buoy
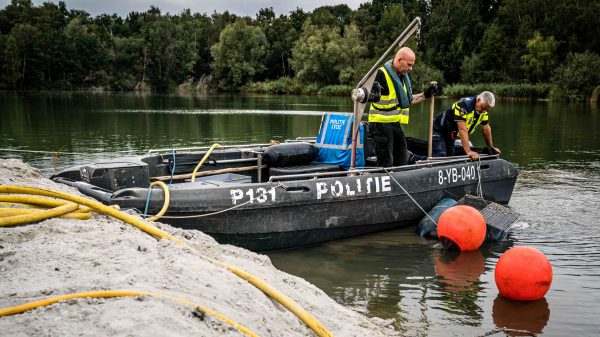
{"x": 463, "y": 225}
{"x": 523, "y": 273}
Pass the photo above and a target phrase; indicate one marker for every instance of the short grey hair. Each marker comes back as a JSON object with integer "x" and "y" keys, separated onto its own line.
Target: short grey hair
{"x": 487, "y": 97}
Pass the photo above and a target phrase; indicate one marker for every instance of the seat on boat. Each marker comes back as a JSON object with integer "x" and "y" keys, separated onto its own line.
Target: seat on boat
{"x": 301, "y": 169}
{"x": 334, "y": 141}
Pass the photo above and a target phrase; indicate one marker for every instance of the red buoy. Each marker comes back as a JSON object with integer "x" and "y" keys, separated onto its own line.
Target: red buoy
{"x": 463, "y": 225}
{"x": 523, "y": 273}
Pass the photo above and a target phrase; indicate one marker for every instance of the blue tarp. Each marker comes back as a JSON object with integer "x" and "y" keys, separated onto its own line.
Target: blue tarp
{"x": 334, "y": 141}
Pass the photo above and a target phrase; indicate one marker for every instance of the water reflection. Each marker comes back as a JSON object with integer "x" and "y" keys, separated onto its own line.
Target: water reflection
{"x": 370, "y": 274}
{"x": 529, "y": 317}
{"x": 458, "y": 275}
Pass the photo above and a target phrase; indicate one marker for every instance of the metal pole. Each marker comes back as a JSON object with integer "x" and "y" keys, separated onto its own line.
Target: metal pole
{"x": 431, "y": 108}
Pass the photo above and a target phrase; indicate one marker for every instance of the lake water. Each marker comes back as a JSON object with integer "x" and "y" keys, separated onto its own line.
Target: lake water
{"x": 393, "y": 274}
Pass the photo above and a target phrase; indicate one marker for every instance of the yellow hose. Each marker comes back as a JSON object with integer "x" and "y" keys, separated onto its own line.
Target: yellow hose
{"x": 120, "y": 293}
{"x": 290, "y": 304}
{"x": 203, "y": 160}
{"x": 166, "y": 204}
{"x": 95, "y": 206}
{"x": 7, "y": 212}
{"x": 311, "y": 321}
{"x": 37, "y": 201}
{"x": 33, "y": 217}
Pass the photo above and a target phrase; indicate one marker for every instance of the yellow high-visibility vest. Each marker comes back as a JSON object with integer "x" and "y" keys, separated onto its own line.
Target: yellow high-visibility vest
{"x": 388, "y": 108}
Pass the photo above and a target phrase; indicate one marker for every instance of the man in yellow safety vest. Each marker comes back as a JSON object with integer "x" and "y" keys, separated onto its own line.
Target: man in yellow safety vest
{"x": 392, "y": 109}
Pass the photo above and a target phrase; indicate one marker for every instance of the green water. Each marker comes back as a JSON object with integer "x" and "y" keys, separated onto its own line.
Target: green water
{"x": 394, "y": 274}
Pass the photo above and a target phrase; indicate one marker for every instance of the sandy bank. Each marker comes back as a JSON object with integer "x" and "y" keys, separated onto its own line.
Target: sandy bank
{"x": 61, "y": 256}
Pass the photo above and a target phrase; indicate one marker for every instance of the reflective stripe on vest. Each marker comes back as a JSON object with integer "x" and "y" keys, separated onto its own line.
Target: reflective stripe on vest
{"x": 388, "y": 109}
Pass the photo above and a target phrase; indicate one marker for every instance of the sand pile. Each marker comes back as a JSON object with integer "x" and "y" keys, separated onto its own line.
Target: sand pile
{"x": 61, "y": 256}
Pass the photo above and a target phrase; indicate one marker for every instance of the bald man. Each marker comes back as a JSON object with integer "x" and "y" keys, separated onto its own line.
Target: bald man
{"x": 392, "y": 110}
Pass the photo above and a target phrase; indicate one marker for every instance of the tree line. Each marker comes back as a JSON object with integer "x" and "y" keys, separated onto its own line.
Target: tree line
{"x": 534, "y": 42}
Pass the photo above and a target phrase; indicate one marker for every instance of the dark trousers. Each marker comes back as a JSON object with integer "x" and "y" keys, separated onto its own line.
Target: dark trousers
{"x": 390, "y": 144}
{"x": 441, "y": 146}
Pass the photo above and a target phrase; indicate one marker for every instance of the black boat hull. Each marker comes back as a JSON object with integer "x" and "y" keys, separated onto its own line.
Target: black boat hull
{"x": 298, "y": 212}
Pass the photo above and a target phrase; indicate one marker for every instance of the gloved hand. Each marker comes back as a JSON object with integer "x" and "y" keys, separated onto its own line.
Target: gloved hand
{"x": 432, "y": 90}
{"x": 375, "y": 93}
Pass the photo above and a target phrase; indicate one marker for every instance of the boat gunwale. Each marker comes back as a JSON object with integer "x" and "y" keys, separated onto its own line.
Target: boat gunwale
{"x": 419, "y": 164}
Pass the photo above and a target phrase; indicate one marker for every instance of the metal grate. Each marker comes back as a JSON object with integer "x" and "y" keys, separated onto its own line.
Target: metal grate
{"x": 495, "y": 215}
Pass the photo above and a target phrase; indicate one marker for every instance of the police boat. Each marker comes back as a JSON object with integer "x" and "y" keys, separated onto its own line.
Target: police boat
{"x": 296, "y": 193}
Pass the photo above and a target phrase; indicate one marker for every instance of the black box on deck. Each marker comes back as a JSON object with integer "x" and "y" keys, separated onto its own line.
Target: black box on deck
{"x": 116, "y": 176}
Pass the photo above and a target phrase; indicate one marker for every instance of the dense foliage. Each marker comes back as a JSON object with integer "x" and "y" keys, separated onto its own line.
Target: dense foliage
{"x": 532, "y": 42}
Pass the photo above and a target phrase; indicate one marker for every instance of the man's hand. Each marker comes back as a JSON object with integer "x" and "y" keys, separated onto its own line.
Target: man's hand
{"x": 495, "y": 149}
{"x": 432, "y": 90}
{"x": 418, "y": 98}
{"x": 474, "y": 155}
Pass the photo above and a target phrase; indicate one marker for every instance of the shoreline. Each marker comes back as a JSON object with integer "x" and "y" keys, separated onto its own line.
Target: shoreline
{"x": 61, "y": 256}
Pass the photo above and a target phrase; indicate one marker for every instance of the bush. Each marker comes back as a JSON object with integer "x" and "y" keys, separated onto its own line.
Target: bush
{"x": 336, "y": 90}
{"x": 576, "y": 79}
{"x": 283, "y": 85}
{"x": 311, "y": 89}
{"x": 499, "y": 89}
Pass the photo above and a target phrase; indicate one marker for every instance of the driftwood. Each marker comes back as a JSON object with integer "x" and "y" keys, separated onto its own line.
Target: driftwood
{"x": 208, "y": 173}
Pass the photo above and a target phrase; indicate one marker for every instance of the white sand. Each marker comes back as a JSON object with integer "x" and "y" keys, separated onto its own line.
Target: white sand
{"x": 61, "y": 256}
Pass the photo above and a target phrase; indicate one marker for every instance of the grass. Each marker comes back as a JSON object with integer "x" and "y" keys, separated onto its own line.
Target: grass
{"x": 504, "y": 90}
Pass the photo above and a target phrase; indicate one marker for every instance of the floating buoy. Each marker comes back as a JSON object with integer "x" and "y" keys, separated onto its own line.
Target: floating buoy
{"x": 523, "y": 273}
{"x": 463, "y": 225}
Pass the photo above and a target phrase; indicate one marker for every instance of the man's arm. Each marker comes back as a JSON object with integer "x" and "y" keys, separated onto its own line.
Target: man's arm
{"x": 487, "y": 135}
{"x": 464, "y": 139}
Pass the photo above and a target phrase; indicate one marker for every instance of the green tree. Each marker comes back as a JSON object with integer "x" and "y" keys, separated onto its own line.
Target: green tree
{"x": 239, "y": 56}
{"x": 19, "y": 54}
{"x": 282, "y": 35}
{"x": 324, "y": 56}
{"x": 392, "y": 23}
{"x": 576, "y": 79}
{"x": 452, "y": 31}
{"x": 170, "y": 49}
{"x": 331, "y": 16}
{"x": 487, "y": 65}
{"x": 127, "y": 62}
{"x": 540, "y": 60}
{"x": 87, "y": 60}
